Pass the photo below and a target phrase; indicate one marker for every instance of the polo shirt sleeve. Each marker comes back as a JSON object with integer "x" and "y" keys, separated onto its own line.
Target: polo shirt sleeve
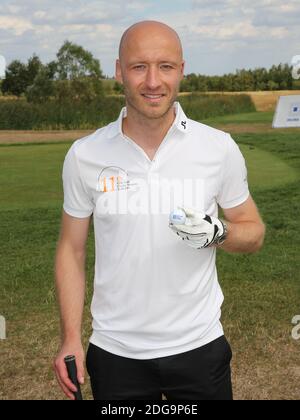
{"x": 233, "y": 184}
{"x": 77, "y": 202}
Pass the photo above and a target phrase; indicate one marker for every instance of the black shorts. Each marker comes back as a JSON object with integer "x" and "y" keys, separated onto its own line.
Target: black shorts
{"x": 200, "y": 374}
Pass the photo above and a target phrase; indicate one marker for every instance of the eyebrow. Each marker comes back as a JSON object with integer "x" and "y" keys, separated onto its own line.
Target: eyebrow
{"x": 173, "y": 63}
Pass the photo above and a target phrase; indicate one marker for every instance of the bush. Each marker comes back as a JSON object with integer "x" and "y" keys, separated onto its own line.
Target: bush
{"x": 118, "y": 88}
{"x": 70, "y": 114}
{"x": 199, "y": 107}
{"x": 42, "y": 88}
{"x": 54, "y": 115}
{"x": 84, "y": 89}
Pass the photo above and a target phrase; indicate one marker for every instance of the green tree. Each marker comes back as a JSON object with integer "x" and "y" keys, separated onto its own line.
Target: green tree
{"x": 86, "y": 88}
{"x": 184, "y": 85}
{"x": 246, "y": 80}
{"x": 202, "y": 83}
{"x": 34, "y": 66}
{"x": 20, "y": 76}
{"x": 213, "y": 83}
{"x": 73, "y": 62}
{"x": 15, "y": 82}
{"x": 118, "y": 88}
{"x": 287, "y": 77}
{"x": 75, "y": 76}
{"x": 81, "y": 89}
{"x": 281, "y": 76}
{"x": 272, "y": 85}
{"x": 51, "y": 69}
{"x": 260, "y": 76}
{"x": 42, "y": 88}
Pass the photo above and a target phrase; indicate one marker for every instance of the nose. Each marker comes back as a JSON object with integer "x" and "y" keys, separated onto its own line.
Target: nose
{"x": 153, "y": 78}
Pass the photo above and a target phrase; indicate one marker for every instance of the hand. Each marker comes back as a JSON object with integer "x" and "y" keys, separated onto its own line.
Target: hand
{"x": 199, "y": 230}
{"x": 60, "y": 369}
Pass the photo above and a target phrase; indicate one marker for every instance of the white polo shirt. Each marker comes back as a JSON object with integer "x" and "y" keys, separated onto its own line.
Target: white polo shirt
{"x": 153, "y": 295}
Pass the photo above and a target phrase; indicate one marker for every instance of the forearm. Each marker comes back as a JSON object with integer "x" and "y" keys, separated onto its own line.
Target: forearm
{"x": 70, "y": 286}
{"x": 244, "y": 237}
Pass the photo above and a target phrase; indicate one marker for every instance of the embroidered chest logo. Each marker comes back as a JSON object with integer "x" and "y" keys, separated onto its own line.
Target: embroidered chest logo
{"x": 183, "y": 123}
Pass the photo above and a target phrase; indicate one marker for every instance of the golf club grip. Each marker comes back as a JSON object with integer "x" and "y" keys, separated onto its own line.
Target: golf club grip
{"x": 72, "y": 372}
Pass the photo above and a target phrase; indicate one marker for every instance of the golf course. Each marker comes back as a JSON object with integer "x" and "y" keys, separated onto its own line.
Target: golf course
{"x": 261, "y": 291}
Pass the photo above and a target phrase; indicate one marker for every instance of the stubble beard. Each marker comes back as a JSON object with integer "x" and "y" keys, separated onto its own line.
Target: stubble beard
{"x": 133, "y": 103}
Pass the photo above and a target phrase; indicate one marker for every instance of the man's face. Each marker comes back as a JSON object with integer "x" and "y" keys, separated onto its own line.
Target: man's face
{"x": 150, "y": 68}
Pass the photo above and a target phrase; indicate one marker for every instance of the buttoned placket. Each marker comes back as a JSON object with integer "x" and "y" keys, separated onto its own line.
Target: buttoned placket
{"x": 150, "y": 167}
{"x": 151, "y": 164}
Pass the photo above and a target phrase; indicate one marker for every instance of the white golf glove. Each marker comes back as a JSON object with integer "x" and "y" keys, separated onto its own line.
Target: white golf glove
{"x": 198, "y": 229}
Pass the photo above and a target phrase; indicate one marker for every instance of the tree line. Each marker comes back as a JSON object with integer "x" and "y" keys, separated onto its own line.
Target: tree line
{"x": 276, "y": 78}
{"x": 76, "y": 75}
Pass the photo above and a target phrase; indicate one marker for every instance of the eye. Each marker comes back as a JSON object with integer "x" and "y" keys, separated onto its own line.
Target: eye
{"x": 166, "y": 67}
{"x": 139, "y": 67}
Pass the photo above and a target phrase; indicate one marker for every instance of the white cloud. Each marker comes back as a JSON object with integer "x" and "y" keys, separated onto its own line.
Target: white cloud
{"x": 17, "y": 25}
{"x": 13, "y": 9}
{"x": 138, "y": 5}
{"x": 40, "y": 14}
{"x": 220, "y": 34}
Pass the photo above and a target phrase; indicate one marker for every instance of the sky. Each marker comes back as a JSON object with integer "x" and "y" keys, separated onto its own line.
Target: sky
{"x": 218, "y": 36}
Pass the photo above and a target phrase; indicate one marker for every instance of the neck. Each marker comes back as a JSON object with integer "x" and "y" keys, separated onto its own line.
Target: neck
{"x": 147, "y": 132}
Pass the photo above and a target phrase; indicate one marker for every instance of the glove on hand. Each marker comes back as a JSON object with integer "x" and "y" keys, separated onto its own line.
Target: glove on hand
{"x": 199, "y": 230}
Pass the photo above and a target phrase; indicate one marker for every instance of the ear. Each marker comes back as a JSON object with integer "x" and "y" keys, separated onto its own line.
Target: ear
{"x": 182, "y": 69}
{"x": 119, "y": 77}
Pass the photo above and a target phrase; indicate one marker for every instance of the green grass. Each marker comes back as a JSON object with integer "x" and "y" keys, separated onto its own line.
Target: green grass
{"x": 31, "y": 175}
{"x": 244, "y": 118}
{"x": 261, "y": 291}
{"x": 273, "y": 172}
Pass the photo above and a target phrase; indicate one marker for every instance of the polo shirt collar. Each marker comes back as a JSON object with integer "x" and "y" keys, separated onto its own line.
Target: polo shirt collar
{"x": 180, "y": 122}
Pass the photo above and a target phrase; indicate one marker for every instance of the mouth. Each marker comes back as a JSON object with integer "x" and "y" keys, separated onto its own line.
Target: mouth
{"x": 153, "y": 98}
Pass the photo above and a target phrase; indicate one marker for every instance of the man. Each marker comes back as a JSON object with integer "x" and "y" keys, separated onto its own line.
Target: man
{"x": 157, "y": 301}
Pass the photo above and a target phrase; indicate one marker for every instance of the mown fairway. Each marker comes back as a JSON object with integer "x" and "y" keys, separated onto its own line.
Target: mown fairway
{"x": 262, "y": 292}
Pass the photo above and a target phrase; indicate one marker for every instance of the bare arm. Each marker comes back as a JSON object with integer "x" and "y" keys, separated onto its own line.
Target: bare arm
{"x": 70, "y": 286}
{"x": 246, "y": 229}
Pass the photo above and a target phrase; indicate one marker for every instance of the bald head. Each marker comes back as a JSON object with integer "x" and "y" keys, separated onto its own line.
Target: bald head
{"x": 150, "y": 63}
{"x": 149, "y": 30}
